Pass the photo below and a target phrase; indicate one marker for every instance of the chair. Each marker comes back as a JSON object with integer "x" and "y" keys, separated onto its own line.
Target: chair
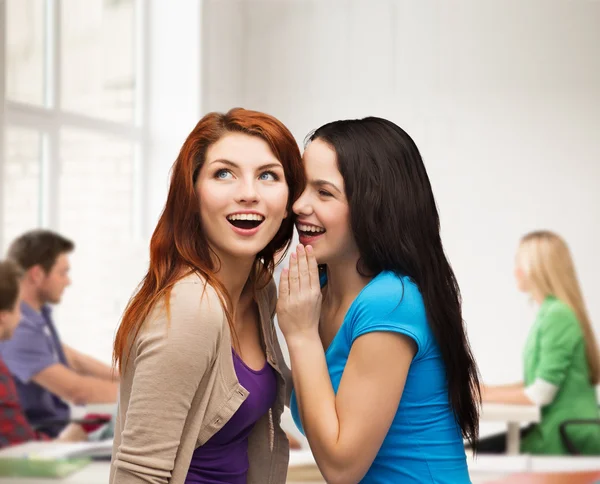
{"x": 566, "y": 440}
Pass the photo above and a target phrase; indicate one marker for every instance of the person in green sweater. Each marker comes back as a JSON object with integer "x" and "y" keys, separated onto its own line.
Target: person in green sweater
{"x": 561, "y": 357}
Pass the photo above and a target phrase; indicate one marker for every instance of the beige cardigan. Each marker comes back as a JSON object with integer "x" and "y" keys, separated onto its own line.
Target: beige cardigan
{"x": 179, "y": 388}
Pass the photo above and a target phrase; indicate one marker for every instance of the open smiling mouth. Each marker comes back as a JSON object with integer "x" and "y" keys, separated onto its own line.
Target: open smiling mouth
{"x": 310, "y": 230}
{"x": 246, "y": 221}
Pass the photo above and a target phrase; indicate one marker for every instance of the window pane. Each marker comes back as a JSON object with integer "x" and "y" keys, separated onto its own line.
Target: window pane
{"x": 97, "y": 58}
{"x": 95, "y": 204}
{"x": 25, "y": 51}
{"x": 95, "y": 186}
{"x": 21, "y": 183}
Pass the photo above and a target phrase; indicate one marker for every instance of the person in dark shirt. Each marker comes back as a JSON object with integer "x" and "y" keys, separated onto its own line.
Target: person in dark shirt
{"x": 14, "y": 427}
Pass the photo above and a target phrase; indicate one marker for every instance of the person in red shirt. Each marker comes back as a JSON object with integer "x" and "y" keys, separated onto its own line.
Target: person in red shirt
{"x": 14, "y": 427}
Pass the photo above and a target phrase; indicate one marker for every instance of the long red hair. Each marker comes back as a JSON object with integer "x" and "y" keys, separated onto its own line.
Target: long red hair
{"x": 179, "y": 247}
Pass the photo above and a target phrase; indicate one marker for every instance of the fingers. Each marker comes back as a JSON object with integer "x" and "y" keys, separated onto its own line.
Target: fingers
{"x": 313, "y": 268}
{"x": 304, "y": 278}
{"x": 284, "y": 283}
{"x": 294, "y": 277}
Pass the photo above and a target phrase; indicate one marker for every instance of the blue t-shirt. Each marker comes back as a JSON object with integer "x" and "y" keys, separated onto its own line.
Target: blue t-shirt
{"x": 35, "y": 346}
{"x": 424, "y": 443}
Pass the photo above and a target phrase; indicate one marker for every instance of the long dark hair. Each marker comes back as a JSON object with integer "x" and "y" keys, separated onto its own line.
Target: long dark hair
{"x": 396, "y": 226}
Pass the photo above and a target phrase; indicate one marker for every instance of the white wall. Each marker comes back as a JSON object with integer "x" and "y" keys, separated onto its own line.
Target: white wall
{"x": 503, "y": 99}
{"x": 2, "y": 94}
{"x": 224, "y": 62}
{"x": 175, "y": 88}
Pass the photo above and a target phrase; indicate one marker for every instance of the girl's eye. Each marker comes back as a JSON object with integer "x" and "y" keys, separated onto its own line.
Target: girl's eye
{"x": 223, "y": 174}
{"x": 268, "y": 176}
{"x": 325, "y": 193}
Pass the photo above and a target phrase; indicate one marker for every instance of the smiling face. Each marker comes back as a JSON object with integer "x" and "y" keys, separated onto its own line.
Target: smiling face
{"x": 322, "y": 209}
{"x": 242, "y": 194}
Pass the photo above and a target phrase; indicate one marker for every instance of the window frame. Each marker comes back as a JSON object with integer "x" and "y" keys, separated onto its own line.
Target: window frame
{"x": 48, "y": 120}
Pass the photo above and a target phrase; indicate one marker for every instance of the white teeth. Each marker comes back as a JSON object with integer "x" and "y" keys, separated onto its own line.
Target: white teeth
{"x": 310, "y": 228}
{"x": 246, "y": 216}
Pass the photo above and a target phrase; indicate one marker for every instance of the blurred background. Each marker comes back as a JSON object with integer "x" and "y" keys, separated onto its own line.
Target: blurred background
{"x": 502, "y": 98}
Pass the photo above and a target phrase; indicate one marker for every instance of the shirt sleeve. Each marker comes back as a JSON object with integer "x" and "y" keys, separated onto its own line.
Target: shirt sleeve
{"x": 541, "y": 392}
{"x": 172, "y": 357}
{"x": 395, "y": 307}
{"x": 28, "y": 352}
{"x": 558, "y": 337}
{"x": 14, "y": 427}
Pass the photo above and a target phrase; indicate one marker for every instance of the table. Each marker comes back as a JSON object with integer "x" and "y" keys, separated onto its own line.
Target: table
{"x": 303, "y": 470}
{"x": 552, "y": 478}
{"x": 514, "y": 416}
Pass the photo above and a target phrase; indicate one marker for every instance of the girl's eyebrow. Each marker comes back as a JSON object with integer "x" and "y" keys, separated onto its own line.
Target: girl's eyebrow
{"x": 235, "y": 165}
{"x": 322, "y": 183}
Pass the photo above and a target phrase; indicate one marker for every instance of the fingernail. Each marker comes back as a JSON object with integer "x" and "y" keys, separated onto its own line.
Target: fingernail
{"x": 309, "y": 249}
{"x": 300, "y": 247}
{"x": 293, "y": 256}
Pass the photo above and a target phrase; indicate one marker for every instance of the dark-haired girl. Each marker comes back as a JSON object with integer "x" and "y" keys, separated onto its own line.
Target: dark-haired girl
{"x": 386, "y": 387}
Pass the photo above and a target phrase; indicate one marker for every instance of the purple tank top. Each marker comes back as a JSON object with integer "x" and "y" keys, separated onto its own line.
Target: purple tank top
{"x": 223, "y": 459}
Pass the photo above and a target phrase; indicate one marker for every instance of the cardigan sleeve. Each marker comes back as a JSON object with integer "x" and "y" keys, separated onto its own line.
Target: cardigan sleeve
{"x": 173, "y": 353}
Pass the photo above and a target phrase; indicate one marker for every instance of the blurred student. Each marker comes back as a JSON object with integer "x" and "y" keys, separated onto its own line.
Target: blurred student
{"x": 561, "y": 358}
{"x": 48, "y": 373}
{"x": 14, "y": 427}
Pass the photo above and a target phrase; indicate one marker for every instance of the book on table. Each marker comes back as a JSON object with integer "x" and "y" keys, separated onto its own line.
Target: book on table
{"x": 50, "y": 459}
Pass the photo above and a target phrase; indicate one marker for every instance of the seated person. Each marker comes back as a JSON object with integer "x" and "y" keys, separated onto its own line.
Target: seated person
{"x": 14, "y": 428}
{"x": 561, "y": 357}
{"x": 48, "y": 373}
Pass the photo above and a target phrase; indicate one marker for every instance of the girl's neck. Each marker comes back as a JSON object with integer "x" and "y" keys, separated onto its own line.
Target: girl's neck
{"x": 234, "y": 275}
{"x": 344, "y": 283}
